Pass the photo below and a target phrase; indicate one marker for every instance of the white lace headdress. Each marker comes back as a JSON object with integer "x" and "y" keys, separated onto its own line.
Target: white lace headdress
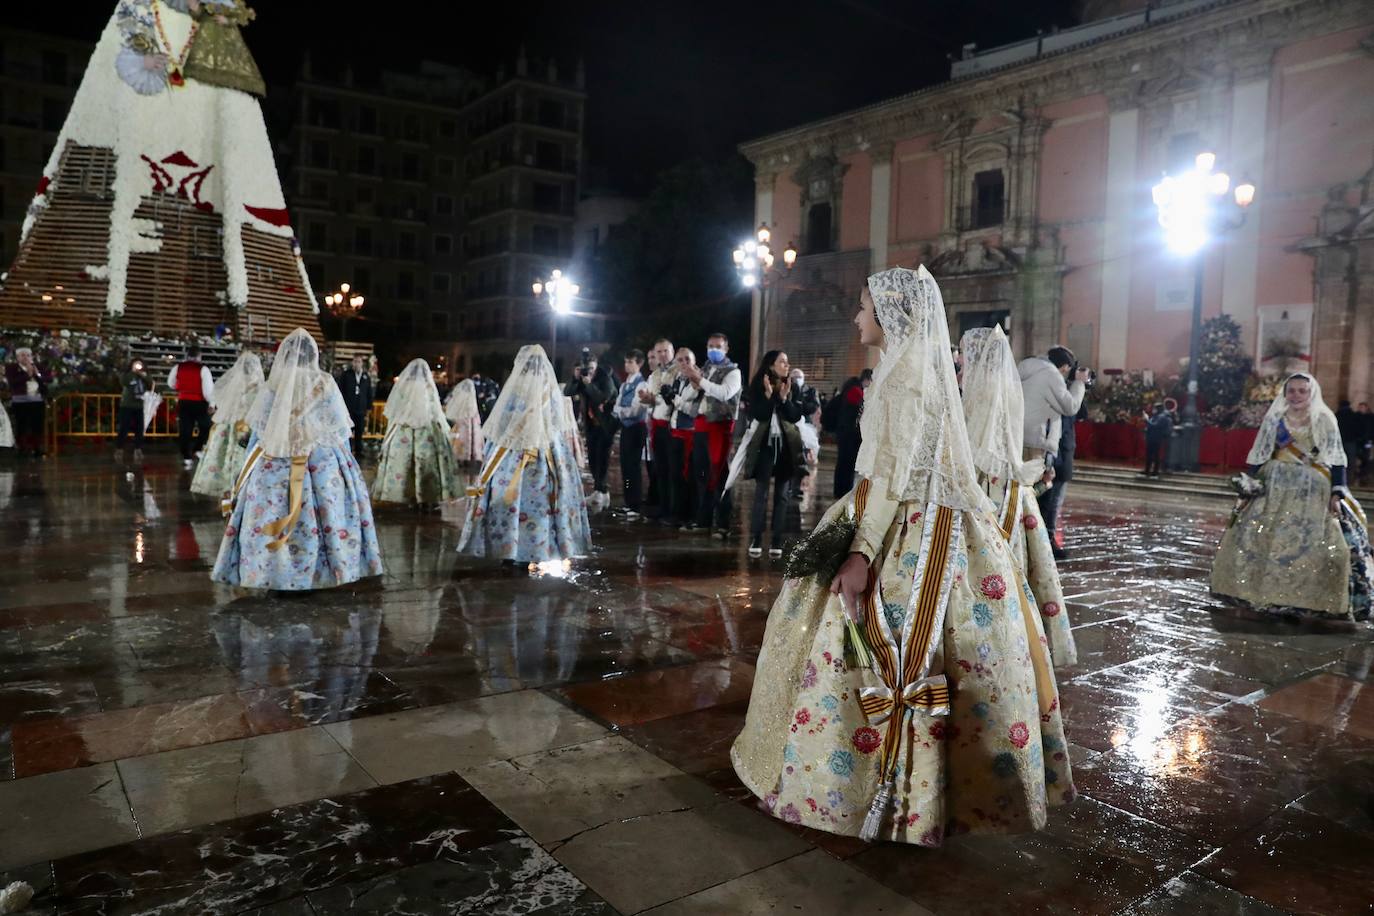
{"x": 462, "y": 401}
{"x": 529, "y": 413}
{"x": 414, "y": 401}
{"x": 300, "y": 407}
{"x": 237, "y": 388}
{"x": 914, "y": 437}
{"x": 1326, "y": 433}
{"x": 994, "y": 407}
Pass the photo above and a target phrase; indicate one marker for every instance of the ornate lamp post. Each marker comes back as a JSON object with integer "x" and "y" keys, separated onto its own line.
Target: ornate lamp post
{"x": 754, "y": 260}
{"x": 560, "y": 292}
{"x": 1193, "y": 209}
{"x": 343, "y": 305}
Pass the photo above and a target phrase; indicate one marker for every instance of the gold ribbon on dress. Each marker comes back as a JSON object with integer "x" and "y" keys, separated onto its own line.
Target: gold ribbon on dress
{"x": 280, "y": 530}
{"x": 226, "y": 505}
{"x": 513, "y": 489}
{"x": 1040, "y": 663}
{"x": 1009, "y": 511}
{"x": 484, "y": 478}
{"x": 1355, "y": 508}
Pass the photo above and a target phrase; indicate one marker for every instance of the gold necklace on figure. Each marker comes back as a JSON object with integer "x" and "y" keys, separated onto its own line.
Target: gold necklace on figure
{"x": 175, "y": 63}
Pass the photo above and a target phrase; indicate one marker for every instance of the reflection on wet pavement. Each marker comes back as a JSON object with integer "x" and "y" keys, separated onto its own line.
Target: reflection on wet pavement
{"x": 455, "y": 734}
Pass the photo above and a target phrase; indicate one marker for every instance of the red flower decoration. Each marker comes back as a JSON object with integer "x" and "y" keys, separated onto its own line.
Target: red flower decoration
{"x": 1030, "y": 522}
{"x": 994, "y": 587}
{"x": 866, "y": 740}
{"x": 1050, "y": 609}
{"x": 803, "y": 716}
{"x": 940, "y": 730}
{"x": 1019, "y": 734}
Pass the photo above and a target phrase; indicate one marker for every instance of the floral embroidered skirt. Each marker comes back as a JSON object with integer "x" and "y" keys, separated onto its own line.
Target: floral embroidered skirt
{"x": 331, "y": 542}
{"x": 1284, "y": 552}
{"x": 220, "y": 462}
{"x": 466, "y": 436}
{"x": 1030, "y": 548}
{"x": 993, "y": 764}
{"x": 416, "y": 466}
{"x": 529, "y": 507}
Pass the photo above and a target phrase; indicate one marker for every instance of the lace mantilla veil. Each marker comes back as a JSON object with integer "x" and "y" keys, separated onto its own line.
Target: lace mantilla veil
{"x": 300, "y": 407}
{"x": 462, "y": 401}
{"x": 529, "y": 414}
{"x": 233, "y": 394}
{"x": 914, "y": 438}
{"x": 1326, "y": 434}
{"x": 414, "y": 401}
{"x": 994, "y": 407}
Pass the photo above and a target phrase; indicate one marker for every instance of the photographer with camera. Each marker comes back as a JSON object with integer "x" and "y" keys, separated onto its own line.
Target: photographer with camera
{"x": 1053, "y": 387}
{"x": 594, "y": 388}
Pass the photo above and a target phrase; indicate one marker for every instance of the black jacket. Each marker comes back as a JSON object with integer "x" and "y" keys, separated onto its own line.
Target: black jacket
{"x": 357, "y": 392}
{"x": 596, "y": 398}
{"x": 779, "y": 459}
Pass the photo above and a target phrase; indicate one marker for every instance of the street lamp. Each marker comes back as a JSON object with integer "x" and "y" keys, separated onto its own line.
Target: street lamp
{"x": 561, "y": 292}
{"x": 343, "y": 305}
{"x": 1193, "y": 209}
{"x": 754, "y": 260}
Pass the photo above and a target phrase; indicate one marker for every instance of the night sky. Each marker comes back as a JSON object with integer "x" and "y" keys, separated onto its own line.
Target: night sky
{"x": 667, "y": 81}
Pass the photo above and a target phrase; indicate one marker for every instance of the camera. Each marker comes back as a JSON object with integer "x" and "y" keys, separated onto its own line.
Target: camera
{"x": 1088, "y": 382}
{"x": 585, "y": 361}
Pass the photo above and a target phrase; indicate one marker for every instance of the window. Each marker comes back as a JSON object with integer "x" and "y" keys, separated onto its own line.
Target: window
{"x": 410, "y": 167}
{"x": 367, "y": 160}
{"x": 319, "y": 154}
{"x": 319, "y": 190}
{"x": 323, "y": 113}
{"x": 988, "y": 204}
{"x": 443, "y": 244}
{"x": 316, "y": 274}
{"x": 365, "y": 194}
{"x": 1183, "y": 150}
{"x": 445, "y": 166}
{"x": 547, "y": 198}
{"x": 54, "y": 113}
{"x": 413, "y": 131}
{"x": 441, "y": 283}
{"x": 551, "y": 113}
{"x": 447, "y": 129}
{"x": 438, "y": 324}
{"x": 367, "y": 119}
{"x": 443, "y": 205}
{"x": 362, "y": 279}
{"x": 548, "y": 156}
{"x": 405, "y": 285}
{"x": 317, "y": 237}
{"x": 55, "y": 67}
{"x": 545, "y": 239}
{"x": 818, "y": 221}
{"x": 405, "y": 322}
{"x": 362, "y": 240}
{"x": 405, "y": 244}
{"x": 463, "y": 283}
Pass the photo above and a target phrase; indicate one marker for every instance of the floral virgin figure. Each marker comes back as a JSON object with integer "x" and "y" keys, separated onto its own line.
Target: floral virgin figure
{"x": 1298, "y": 542}
{"x": 935, "y": 711}
{"x": 299, "y": 515}
{"x": 528, "y": 505}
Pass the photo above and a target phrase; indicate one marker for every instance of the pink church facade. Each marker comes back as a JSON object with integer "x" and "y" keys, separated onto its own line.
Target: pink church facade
{"x": 1024, "y": 184}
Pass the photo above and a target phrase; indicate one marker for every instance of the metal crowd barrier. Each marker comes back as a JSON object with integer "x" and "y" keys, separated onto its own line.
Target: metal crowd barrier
{"x": 77, "y": 416}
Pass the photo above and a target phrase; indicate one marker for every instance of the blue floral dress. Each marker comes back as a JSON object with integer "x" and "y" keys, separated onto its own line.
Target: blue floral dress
{"x": 528, "y": 507}
{"x": 332, "y": 540}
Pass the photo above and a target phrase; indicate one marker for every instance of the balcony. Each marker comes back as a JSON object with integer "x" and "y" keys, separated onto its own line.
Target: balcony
{"x": 526, "y": 202}
{"x": 492, "y": 249}
{"x": 978, "y": 218}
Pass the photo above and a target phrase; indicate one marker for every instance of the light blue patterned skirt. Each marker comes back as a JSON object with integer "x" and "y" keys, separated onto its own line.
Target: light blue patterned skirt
{"x": 541, "y": 516}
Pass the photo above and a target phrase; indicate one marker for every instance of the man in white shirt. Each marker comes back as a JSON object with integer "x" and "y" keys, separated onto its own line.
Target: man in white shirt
{"x": 195, "y": 389}
{"x": 718, "y": 387}
{"x": 652, "y": 394}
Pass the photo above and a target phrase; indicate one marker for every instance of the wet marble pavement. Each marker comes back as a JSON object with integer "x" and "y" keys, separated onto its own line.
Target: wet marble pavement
{"x": 457, "y": 739}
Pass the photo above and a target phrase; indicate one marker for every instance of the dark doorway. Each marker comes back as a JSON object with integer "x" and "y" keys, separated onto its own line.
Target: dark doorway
{"x": 818, "y": 223}
{"x": 988, "y": 319}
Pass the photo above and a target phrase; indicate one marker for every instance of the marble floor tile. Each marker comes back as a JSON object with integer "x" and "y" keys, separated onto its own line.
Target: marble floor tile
{"x": 216, "y": 782}
{"x": 695, "y": 742}
{"x": 623, "y": 860}
{"x": 460, "y": 736}
{"x": 1338, "y": 703}
{"x": 278, "y": 856}
{"x": 48, "y": 745}
{"x": 1298, "y": 861}
{"x": 513, "y": 878}
{"x": 811, "y": 884}
{"x": 1194, "y": 895}
{"x": 58, "y": 814}
{"x": 555, "y": 794}
{"x": 638, "y": 698}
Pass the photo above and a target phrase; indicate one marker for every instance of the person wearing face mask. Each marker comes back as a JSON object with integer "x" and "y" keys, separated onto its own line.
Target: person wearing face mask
{"x": 1298, "y": 542}
{"x": 717, "y": 388}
